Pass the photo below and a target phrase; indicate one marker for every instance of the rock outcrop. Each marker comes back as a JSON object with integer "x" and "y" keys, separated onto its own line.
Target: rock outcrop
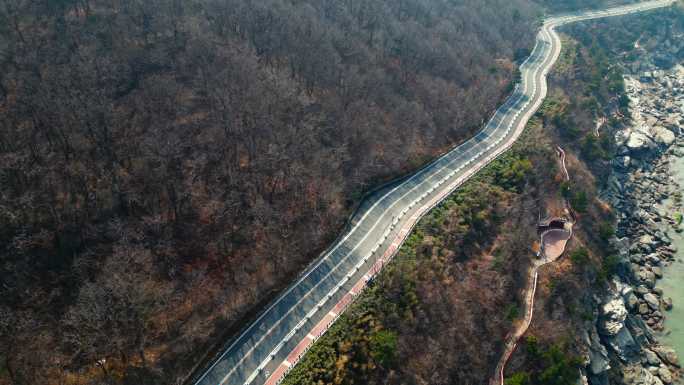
{"x": 623, "y": 343}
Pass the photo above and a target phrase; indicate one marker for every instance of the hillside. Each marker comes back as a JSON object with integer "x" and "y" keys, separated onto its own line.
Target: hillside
{"x": 168, "y": 166}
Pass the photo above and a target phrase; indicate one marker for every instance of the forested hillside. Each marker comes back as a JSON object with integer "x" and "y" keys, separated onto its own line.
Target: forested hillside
{"x": 167, "y": 166}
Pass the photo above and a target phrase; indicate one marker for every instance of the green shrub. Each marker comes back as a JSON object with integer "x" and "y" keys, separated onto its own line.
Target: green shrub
{"x": 579, "y": 201}
{"x": 512, "y": 311}
{"x": 624, "y": 101}
{"x": 520, "y": 378}
{"x": 610, "y": 266}
{"x": 606, "y": 230}
{"x": 511, "y": 172}
{"x": 532, "y": 347}
{"x": 580, "y": 256}
{"x": 565, "y": 189}
{"x": 383, "y": 345}
{"x": 549, "y": 367}
{"x": 678, "y": 217}
{"x": 560, "y": 369}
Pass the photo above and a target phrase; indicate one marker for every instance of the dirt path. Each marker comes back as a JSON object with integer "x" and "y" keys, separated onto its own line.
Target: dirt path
{"x": 553, "y": 242}
{"x": 512, "y": 339}
{"x": 599, "y": 123}
{"x": 530, "y": 291}
{"x": 561, "y": 155}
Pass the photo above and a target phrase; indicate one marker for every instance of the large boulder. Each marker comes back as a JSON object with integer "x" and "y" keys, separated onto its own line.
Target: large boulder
{"x": 667, "y": 354}
{"x": 647, "y": 277}
{"x": 652, "y": 358}
{"x": 624, "y": 345}
{"x": 638, "y": 143}
{"x": 638, "y": 375}
{"x": 613, "y": 315}
{"x": 599, "y": 362}
{"x": 614, "y": 330}
{"x": 663, "y": 136}
{"x": 631, "y": 300}
{"x": 657, "y": 271}
{"x": 652, "y": 301}
{"x": 641, "y": 333}
{"x": 647, "y": 239}
{"x": 665, "y": 375}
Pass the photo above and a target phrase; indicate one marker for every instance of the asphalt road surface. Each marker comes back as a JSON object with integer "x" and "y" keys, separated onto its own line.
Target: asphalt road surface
{"x": 380, "y": 224}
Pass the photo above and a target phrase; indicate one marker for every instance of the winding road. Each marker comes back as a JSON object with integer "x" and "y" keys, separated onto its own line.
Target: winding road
{"x": 267, "y": 348}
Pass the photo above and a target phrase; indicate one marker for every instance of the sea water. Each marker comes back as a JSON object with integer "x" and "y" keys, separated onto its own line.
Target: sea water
{"x": 673, "y": 280}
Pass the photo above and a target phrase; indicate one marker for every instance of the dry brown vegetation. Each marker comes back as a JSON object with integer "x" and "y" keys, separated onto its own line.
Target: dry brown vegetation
{"x": 168, "y": 165}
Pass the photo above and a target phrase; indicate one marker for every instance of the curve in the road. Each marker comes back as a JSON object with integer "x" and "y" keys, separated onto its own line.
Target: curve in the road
{"x": 262, "y": 350}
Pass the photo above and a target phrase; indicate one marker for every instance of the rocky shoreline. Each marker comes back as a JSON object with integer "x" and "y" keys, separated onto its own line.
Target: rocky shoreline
{"x": 623, "y": 344}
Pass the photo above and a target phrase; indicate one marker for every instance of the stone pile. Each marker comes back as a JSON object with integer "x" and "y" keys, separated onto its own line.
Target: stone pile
{"x": 641, "y": 180}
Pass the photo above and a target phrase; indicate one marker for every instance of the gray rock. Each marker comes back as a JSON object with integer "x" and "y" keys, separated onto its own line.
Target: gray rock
{"x": 635, "y": 268}
{"x": 638, "y": 143}
{"x": 631, "y": 301}
{"x": 670, "y": 248}
{"x": 653, "y": 259}
{"x": 652, "y": 301}
{"x": 638, "y": 375}
{"x": 613, "y": 315}
{"x": 657, "y": 271}
{"x": 624, "y": 345}
{"x": 667, "y": 354}
{"x": 652, "y": 358}
{"x": 665, "y": 375}
{"x": 667, "y": 303}
{"x": 621, "y": 244}
{"x": 598, "y": 355}
{"x": 641, "y": 289}
{"x": 662, "y": 135}
{"x": 642, "y": 334}
{"x": 647, "y": 278}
